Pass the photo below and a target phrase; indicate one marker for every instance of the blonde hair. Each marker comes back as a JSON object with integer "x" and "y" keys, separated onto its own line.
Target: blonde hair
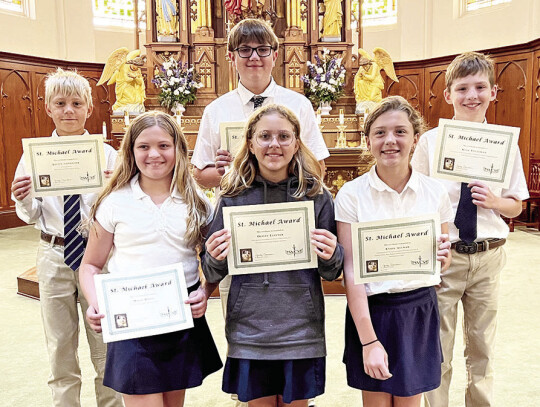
{"x": 470, "y": 63}
{"x": 398, "y": 103}
{"x": 252, "y": 29}
{"x": 245, "y": 167}
{"x": 183, "y": 182}
{"x": 67, "y": 83}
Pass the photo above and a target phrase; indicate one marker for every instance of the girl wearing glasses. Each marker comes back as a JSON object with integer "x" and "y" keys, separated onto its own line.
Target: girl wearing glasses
{"x": 275, "y": 321}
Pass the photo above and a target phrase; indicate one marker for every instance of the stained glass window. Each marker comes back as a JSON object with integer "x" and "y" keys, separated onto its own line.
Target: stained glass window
{"x": 375, "y": 12}
{"x": 13, "y": 5}
{"x": 116, "y": 12}
{"x": 471, "y": 5}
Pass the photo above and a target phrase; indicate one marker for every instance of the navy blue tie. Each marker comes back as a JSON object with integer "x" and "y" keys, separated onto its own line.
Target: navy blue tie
{"x": 466, "y": 215}
{"x": 257, "y": 101}
{"x": 73, "y": 241}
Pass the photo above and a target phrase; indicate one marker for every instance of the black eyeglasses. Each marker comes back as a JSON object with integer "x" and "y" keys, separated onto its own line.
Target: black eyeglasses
{"x": 247, "y": 52}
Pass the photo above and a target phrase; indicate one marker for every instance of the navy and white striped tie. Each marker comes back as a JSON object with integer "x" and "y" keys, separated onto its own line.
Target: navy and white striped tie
{"x": 73, "y": 241}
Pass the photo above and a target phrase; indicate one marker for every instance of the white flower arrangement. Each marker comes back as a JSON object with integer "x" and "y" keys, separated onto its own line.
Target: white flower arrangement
{"x": 325, "y": 79}
{"x": 178, "y": 83}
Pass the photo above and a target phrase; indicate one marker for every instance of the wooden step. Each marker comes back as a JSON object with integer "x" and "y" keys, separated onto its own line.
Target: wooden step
{"x": 27, "y": 284}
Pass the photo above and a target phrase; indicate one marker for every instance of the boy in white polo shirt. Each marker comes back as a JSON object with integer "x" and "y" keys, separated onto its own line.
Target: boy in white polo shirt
{"x": 477, "y": 252}
{"x": 253, "y": 48}
{"x": 68, "y": 101}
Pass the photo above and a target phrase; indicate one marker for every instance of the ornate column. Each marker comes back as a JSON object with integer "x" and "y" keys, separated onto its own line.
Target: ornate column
{"x": 294, "y": 44}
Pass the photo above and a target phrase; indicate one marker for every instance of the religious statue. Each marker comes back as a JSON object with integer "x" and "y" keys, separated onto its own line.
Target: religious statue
{"x": 240, "y": 9}
{"x": 368, "y": 82}
{"x": 167, "y": 20}
{"x": 123, "y": 68}
{"x": 332, "y": 20}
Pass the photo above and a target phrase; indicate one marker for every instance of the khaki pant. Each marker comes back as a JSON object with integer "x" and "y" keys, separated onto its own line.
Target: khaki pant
{"x": 473, "y": 279}
{"x": 59, "y": 290}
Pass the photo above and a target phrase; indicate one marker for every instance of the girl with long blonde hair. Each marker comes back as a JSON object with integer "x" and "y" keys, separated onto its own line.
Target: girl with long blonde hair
{"x": 275, "y": 321}
{"x": 152, "y": 215}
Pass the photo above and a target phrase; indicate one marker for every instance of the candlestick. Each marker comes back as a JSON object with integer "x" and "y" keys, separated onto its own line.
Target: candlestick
{"x": 104, "y": 130}
{"x": 363, "y": 143}
{"x": 341, "y": 140}
{"x": 126, "y": 118}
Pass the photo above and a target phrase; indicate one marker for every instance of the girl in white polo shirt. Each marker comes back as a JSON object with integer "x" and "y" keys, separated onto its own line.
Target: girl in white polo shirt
{"x": 392, "y": 348}
{"x": 150, "y": 215}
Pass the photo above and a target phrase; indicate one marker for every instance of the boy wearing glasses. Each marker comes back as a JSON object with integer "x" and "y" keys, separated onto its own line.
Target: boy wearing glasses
{"x": 252, "y": 46}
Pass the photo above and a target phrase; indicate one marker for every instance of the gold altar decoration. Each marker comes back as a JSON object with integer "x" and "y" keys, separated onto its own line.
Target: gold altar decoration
{"x": 167, "y": 20}
{"x": 332, "y": 20}
{"x": 368, "y": 82}
{"x": 123, "y": 68}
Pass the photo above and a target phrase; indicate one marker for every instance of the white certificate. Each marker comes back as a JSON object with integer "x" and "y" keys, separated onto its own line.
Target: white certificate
{"x": 232, "y": 134}
{"x": 143, "y": 304}
{"x": 396, "y": 249}
{"x": 65, "y": 165}
{"x": 480, "y": 151}
{"x": 271, "y": 237}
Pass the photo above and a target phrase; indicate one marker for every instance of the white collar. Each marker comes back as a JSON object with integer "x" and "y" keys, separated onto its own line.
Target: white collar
{"x": 246, "y": 95}
{"x": 55, "y": 134}
{"x": 138, "y": 193}
{"x": 376, "y": 183}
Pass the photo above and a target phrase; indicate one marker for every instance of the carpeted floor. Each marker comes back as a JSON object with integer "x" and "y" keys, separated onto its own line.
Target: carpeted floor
{"x": 25, "y": 367}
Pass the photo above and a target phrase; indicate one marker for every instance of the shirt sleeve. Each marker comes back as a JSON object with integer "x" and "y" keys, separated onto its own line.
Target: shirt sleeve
{"x": 345, "y": 204}
{"x": 420, "y": 158}
{"x": 518, "y": 184}
{"x": 104, "y": 215}
{"x": 205, "y": 146}
{"x": 310, "y": 133}
{"x": 446, "y": 214}
{"x": 28, "y": 209}
{"x": 110, "y": 156}
{"x": 214, "y": 270}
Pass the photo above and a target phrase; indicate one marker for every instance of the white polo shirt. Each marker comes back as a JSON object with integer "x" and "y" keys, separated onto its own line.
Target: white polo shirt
{"x": 236, "y": 106}
{"x": 145, "y": 235}
{"x": 47, "y": 212}
{"x": 489, "y": 222}
{"x": 368, "y": 198}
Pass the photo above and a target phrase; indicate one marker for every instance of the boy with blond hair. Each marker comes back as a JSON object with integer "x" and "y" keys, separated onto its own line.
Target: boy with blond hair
{"x": 68, "y": 101}
{"x": 478, "y": 234}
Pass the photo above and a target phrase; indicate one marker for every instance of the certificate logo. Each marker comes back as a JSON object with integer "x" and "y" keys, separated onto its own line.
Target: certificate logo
{"x": 120, "y": 320}
{"x": 448, "y": 164}
{"x": 372, "y": 266}
{"x": 44, "y": 181}
{"x": 491, "y": 170}
{"x": 246, "y": 256}
{"x": 294, "y": 251}
{"x": 420, "y": 262}
{"x": 88, "y": 177}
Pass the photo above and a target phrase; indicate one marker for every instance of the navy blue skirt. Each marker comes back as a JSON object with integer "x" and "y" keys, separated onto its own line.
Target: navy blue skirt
{"x": 297, "y": 379}
{"x": 161, "y": 363}
{"x": 407, "y": 325}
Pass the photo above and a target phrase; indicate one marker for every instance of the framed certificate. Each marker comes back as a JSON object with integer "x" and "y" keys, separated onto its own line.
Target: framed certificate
{"x": 143, "y": 304}
{"x": 231, "y": 136}
{"x": 272, "y": 237}
{"x": 468, "y": 150}
{"x": 396, "y": 249}
{"x": 65, "y": 165}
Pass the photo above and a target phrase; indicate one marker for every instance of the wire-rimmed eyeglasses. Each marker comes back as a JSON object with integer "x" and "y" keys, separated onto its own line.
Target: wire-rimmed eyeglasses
{"x": 246, "y": 52}
{"x": 265, "y": 138}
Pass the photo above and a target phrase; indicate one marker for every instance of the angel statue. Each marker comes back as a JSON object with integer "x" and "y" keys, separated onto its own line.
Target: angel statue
{"x": 368, "y": 82}
{"x": 123, "y": 68}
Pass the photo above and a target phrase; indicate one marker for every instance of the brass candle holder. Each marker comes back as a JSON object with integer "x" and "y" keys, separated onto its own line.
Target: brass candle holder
{"x": 341, "y": 140}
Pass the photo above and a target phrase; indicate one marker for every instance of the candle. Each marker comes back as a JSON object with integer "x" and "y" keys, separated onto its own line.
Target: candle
{"x": 126, "y": 118}
{"x": 178, "y": 118}
{"x": 319, "y": 117}
{"x": 341, "y": 116}
{"x": 104, "y": 130}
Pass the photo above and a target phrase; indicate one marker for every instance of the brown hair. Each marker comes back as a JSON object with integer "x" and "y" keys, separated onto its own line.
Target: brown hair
{"x": 392, "y": 103}
{"x": 183, "y": 182}
{"x": 245, "y": 167}
{"x": 470, "y": 63}
{"x": 252, "y": 29}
